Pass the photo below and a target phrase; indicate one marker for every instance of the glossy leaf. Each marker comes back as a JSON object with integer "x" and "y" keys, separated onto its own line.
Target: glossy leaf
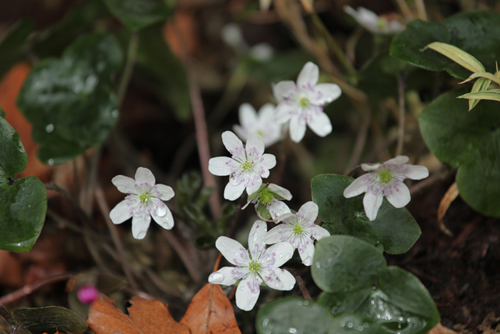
{"x": 70, "y": 101}
{"x": 355, "y": 279}
{"x": 13, "y": 157}
{"x": 13, "y": 44}
{"x": 138, "y": 14}
{"x": 162, "y": 72}
{"x": 294, "y": 315}
{"x": 395, "y": 229}
{"x": 50, "y": 319}
{"x": 22, "y": 213}
{"x": 477, "y": 33}
{"x": 468, "y": 141}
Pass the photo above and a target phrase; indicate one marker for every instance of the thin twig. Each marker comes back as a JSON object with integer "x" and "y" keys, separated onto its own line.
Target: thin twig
{"x": 421, "y": 12}
{"x": 54, "y": 187}
{"x": 191, "y": 267}
{"x": 361, "y": 138}
{"x": 405, "y": 9}
{"x": 103, "y": 206}
{"x": 352, "y": 170}
{"x": 30, "y": 288}
{"x": 201, "y": 127}
{"x": 129, "y": 66}
{"x": 302, "y": 286}
{"x": 401, "y": 123}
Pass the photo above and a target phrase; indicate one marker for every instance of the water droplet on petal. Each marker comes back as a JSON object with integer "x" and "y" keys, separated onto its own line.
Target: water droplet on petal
{"x": 216, "y": 278}
{"x": 50, "y": 162}
{"x": 292, "y": 330}
{"x": 49, "y": 128}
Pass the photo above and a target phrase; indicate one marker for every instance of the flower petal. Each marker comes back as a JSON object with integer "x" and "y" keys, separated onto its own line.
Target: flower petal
{"x": 283, "y": 251}
{"x": 369, "y": 167}
{"x": 254, "y": 143}
{"x": 306, "y": 253}
{"x": 283, "y": 280}
{"x": 144, "y": 175}
{"x": 248, "y": 115}
{"x": 358, "y": 186}
{"x": 254, "y": 186}
{"x": 309, "y": 211}
{"x": 372, "y": 203}
{"x": 284, "y": 193}
{"x": 121, "y": 212}
{"x": 399, "y": 160}
{"x": 158, "y": 207}
{"x": 266, "y": 113}
{"x": 284, "y": 89}
{"x": 277, "y": 209}
{"x": 166, "y": 221}
{"x": 232, "y": 250}
{"x": 308, "y": 75}
{"x": 284, "y": 111}
{"x": 320, "y": 124}
{"x": 269, "y": 161}
{"x": 319, "y": 232}
{"x": 245, "y": 297}
{"x": 221, "y": 166}
{"x": 233, "y": 144}
{"x": 276, "y": 234}
{"x": 140, "y": 225}
{"x": 256, "y": 243}
{"x": 164, "y": 192}
{"x": 400, "y": 197}
{"x": 297, "y": 129}
{"x": 240, "y": 132}
{"x": 417, "y": 172}
{"x": 327, "y": 92}
{"x": 124, "y": 184}
{"x": 223, "y": 276}
{"x": 234, "y": 191}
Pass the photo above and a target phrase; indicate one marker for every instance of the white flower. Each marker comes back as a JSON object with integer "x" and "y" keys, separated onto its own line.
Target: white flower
{"x": 385, "y": 180}
{"x": 373, "y": 23}
{"x": 299, "y": 230}
{"x": 302, "y": 103}
{"x": 254, "y": 267}
{"x": 268, "y": 202}
{"x": 247, "y": 166}
{"x": 263, "y": 123}
{"x": 144, "y": 200}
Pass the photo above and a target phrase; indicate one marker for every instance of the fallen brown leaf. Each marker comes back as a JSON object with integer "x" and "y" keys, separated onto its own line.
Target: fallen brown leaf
{"x": 144, "y": 317}
{"x": 440, "y": 329}
{"x": 210, "y": 312}
{"x": 445, "y": 203}
{"x": 152, "y": 316}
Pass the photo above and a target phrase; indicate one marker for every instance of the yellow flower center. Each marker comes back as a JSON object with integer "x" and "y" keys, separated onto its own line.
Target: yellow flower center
{"x": 297, "y": 229}
{"x": 254, "y": 266}
{"x": 144, "y": 198}
{"x": 304, "y": 102}
{"x": 246, "y": 165}
{"x": 385, "y": 176}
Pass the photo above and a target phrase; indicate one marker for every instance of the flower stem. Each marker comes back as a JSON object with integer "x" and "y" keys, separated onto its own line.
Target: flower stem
{"x": 129, "y": 66}
{"x": 401, "y": 125}
{"x": 333, "y": 44}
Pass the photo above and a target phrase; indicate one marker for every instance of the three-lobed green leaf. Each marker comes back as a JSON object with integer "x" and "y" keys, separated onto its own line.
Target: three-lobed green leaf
{"x": 477, "y": 33}
{"x": 70, "y": 101}
{"x": 357, "y": 281}
{"x": 468, "y": 141}
{"x": 395, "y": 229}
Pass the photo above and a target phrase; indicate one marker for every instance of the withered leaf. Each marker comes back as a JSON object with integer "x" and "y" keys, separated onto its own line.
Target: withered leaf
{"x": 210, "y": 312}
{"x": 105, "y": 318}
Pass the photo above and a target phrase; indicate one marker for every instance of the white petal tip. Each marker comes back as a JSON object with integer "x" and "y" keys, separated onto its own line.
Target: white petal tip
{"x": 216, "y": 278}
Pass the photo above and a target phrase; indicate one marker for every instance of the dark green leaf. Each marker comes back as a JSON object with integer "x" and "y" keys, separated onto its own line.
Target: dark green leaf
{"x": 344, "y": 263}
{"x": 13, "y": 157}
{"x": 357, "y": 281}
{"x": 355, "y": 324}
{"x": 70, "y": 101}
{"x": 22, "y": 213}
{"x": 160, "y": 71}
{"x": 13, "y": 45}
{"x": 138, "y": 14}
{"x": 477, "y": 33}
{"x": 50, "y": 319}
{"x": 2, "y": 113}
{"x": 469, "y": 141}
{"x": 79, "y": 20}
{"x": 294, "y": 315}
{"x": 394, "y": 229}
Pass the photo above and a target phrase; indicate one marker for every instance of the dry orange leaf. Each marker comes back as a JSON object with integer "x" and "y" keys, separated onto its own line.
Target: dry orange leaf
{"x": 152, "y": 316}
{"x": 210, "y": 312}
{"x": 145, "y": 317}
{"x": 440, "y": 329}
{"x": 445, "y": 203}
